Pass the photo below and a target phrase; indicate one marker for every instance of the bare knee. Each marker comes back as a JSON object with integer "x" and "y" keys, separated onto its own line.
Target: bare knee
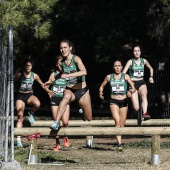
{"x": 37, "y": 104}
{"x": 136, "y": 108}
{"x": 67, "y": 97}
{"x": 65, "y": 123}
{"x": 20, "y": 113}
{"x": 20, "y": 118}
{"x": 20, "y": 110}
{"x": 144, "y": 96}
{"x": 89, "y": 118}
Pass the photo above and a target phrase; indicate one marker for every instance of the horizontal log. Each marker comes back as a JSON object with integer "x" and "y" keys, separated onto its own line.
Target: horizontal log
{"x": 93, "y": 131}
{"x": 129, "y": 122}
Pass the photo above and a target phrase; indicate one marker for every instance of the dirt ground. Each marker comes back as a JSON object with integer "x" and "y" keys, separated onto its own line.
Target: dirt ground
{"x": 102, "y": 156}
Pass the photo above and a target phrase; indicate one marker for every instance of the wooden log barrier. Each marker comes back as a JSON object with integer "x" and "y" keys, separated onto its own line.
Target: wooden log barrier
{"x": 93, "y": 131}
{"x": 100, "y": 131}
{"x": 129, "y": 122}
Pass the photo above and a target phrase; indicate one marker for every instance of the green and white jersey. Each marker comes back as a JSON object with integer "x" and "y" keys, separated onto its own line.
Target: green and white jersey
{"x": 26, "y": 83}
{"x": 58, "y": 86}
{"x": 72, "y": 68}
{"x": 118, "y": 87}
{"x": 137, "y": 71}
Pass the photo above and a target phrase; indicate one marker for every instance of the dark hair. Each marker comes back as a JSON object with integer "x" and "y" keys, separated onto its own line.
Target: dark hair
{"x": 58, "y": 57}
{"x": 136, "y": 45}
{"x": 26, "y": 61}
{"x": 69, "y": 43}
{"x": 117, "y": 60}
{"x": 56, "y": 60}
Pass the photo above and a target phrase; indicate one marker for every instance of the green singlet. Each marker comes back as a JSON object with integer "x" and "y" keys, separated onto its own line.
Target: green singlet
{"x": 58, "y": 86}
{"x": 135, "y": 70}
{"x": 72, "y": 68}
{"x": 118, "y": 86}
{"x": 26, "y": 83}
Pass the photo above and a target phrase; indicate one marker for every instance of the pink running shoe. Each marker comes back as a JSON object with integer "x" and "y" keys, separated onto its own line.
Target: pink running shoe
{"x": 146, "y": 116}
{"x": 66, "y": 142}
{"x": 56, "y": 148}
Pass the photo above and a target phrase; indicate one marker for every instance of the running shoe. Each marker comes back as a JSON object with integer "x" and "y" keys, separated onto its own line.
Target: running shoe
{"x": 82, "y": 115}
{"x": 66, "y": 142}
{"x": 31, "y": 118}
{"x": 55, "y": 126}
{"x": 120, "y": 148}
{"x": 19, "y": 144}
{"x": 56, "y": 148}
{"x": 146, "y": 116}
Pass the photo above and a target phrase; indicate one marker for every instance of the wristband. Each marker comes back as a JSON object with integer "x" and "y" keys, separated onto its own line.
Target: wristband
{"x": 151, "y": 76}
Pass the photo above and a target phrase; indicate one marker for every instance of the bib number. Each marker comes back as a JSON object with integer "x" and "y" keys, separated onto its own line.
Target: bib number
{"x": 118, "y": 88}
{"x": 58, "y": 89}
{"x": 138, "y": 73}
{"x": 26, "y": 86}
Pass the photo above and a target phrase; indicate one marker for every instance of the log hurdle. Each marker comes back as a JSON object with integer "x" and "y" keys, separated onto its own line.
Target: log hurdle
{"x": 109, "y": 122}
{"x": 155, "y": 132}
{"x": 93, "y": 131}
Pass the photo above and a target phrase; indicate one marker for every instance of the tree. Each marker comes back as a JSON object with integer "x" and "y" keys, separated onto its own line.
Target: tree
{"x": 31, "y": 22}
{"x": 159, "y": 27}
{"x": 30, "y": 14}
{"x": 32, "y": 27}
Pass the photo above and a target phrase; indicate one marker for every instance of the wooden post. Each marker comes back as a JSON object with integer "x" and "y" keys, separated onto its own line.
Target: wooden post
{"x": 155, "y": 151}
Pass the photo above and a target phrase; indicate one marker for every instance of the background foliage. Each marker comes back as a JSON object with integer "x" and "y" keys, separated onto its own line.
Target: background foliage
{"x": 101, "y": 30}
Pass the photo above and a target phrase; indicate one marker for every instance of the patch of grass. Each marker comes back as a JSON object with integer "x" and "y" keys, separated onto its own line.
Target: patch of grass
{"x": 165, "y": 145}
{"x": 143, "y": 144}
{"x": 21, "y": 155}
{"x": 46, "y": 156}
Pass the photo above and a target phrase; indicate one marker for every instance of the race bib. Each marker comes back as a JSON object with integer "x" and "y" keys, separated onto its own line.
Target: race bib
{"x": 23, "y": 86}
{"x": 118, "y": 88}
{"x": 29, "y": 85}
{"x": 58, "y": 89}
{"x": 26, "y": 86}
{"x": 138, "y": 73}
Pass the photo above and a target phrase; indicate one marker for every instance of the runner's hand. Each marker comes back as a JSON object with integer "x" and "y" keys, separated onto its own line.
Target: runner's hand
{"x": 151, "y": 80}
{"x": 51, "y": 93}
{"x": 129, "y": 93}
{"x": 101, "y": 95}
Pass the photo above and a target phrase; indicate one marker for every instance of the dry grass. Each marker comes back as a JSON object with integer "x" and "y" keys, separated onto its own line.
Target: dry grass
{"x": 103, "y": 155}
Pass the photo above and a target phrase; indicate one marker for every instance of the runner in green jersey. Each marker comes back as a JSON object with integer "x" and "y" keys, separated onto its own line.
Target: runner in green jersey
{"x": 73, "y": 70}
{"x": 56, "y": 94}
{"x": 25, "y": 93}
{"x": 118, "y": 95}
{"x": 136, "y": 72}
